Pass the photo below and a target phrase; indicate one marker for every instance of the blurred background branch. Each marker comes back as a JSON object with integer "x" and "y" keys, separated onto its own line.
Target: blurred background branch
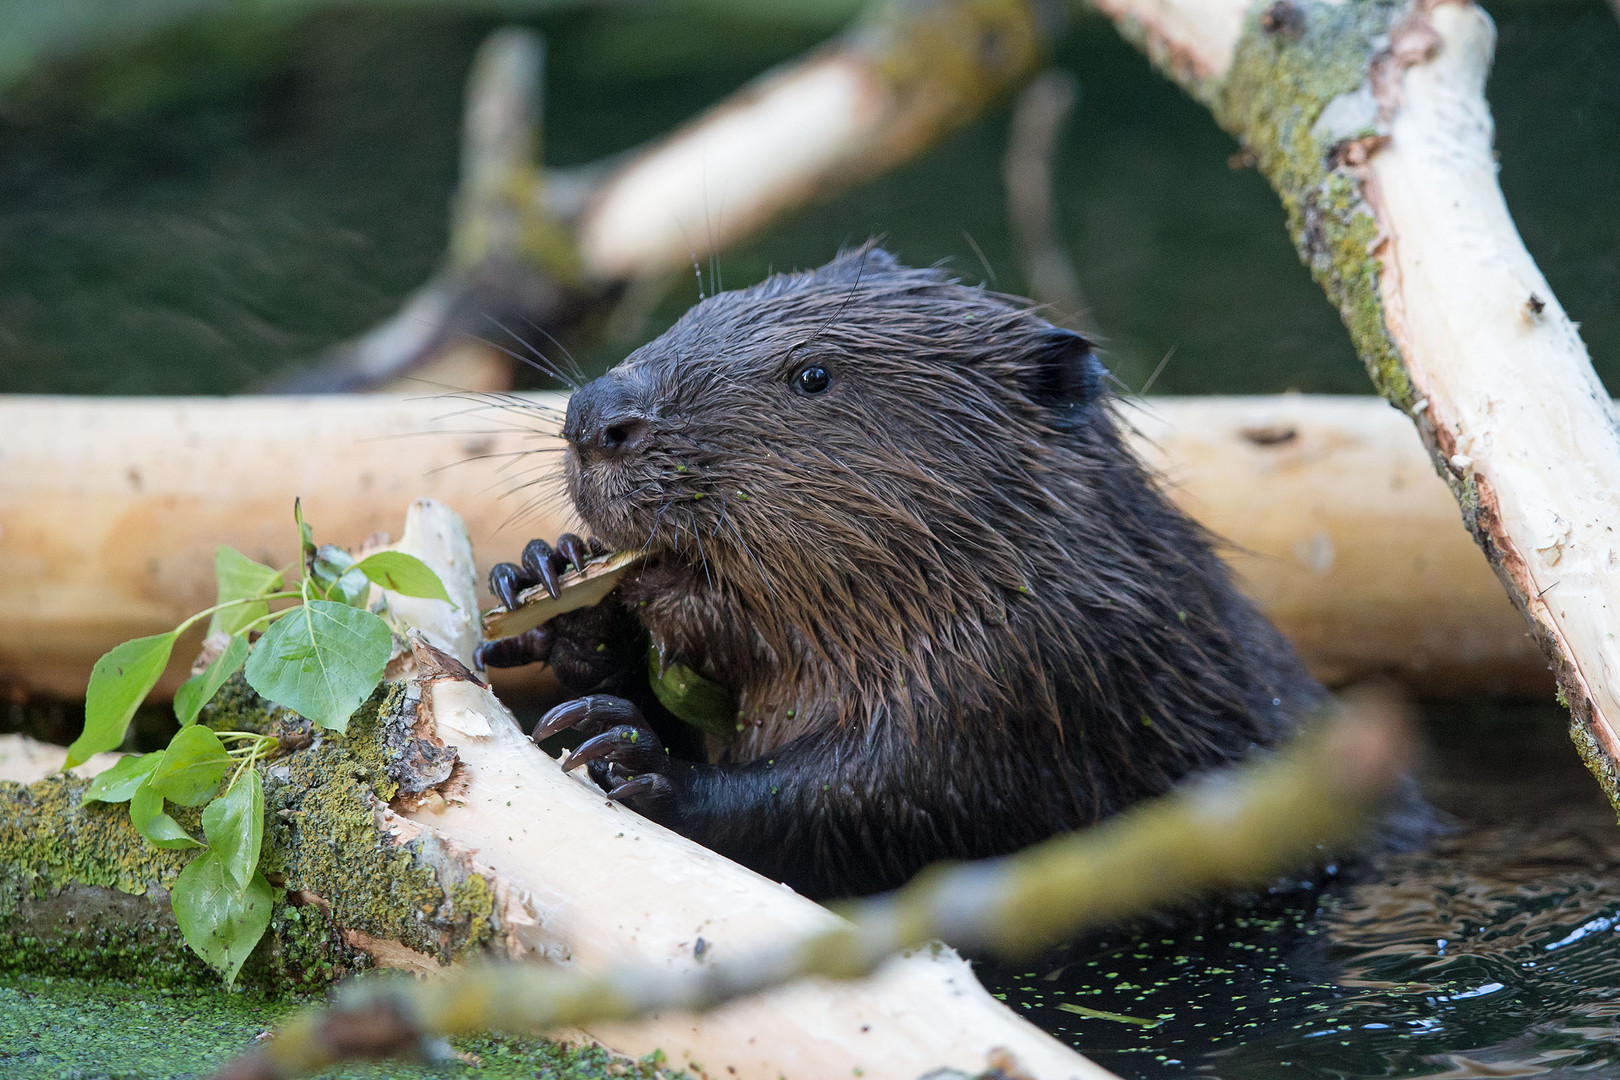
{"x": 1028, "y": 171}
{"x": 240, "y": 186}
{"x": 903, "y": 76}
{"x": 511, "y": 262}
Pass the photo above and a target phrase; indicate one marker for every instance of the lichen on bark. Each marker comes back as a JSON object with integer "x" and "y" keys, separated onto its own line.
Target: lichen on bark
{"x": 82, "y": 893}
{"x": 1300, "y": 97}
{"x": 1597, "y": 762}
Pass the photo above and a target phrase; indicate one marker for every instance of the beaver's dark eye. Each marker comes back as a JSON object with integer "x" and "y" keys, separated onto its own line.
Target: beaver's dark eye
{"x": 812, "y": 379}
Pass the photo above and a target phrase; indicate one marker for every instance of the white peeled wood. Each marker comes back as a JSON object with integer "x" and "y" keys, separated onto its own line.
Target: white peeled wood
{"x": 1511, "y": 395}
{"x": 1505, "y": 392}
{"x": 583, "y": 881}
{"x": 728, "y": 173}
{"x": 1193, "y": 38}
{"x": 1336, "y": 524}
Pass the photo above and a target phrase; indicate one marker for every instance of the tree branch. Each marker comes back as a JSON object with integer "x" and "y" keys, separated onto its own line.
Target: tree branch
{"x": 1027, "y": 173}
{"x": 1370, "y": 120}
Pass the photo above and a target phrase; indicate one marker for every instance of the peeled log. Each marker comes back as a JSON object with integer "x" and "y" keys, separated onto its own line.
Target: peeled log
{"x": 1339, "y": 528}
{"x": 110, "y": 510}
{"x": 585, "y": 881}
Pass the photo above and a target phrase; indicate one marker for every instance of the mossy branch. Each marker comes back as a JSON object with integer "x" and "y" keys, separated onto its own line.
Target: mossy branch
{"x": 509, "y": 254}
{"x": 82, "y": 893}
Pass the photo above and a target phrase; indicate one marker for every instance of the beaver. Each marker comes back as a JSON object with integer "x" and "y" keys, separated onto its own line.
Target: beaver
{"x": 896, "y": 516}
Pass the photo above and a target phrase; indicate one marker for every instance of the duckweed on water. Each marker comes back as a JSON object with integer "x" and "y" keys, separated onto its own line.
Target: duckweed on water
{"x": 1494, "y": 948}
{"x": 54, "y": 1027}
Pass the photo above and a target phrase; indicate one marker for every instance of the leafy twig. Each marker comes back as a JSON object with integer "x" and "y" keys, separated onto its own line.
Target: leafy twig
{"x": 321, "y": 658}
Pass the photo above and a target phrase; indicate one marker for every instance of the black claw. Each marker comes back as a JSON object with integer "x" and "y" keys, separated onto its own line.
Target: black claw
{"x": 539, "y": 559}
{"x": 506, "y": 581}
{"x": 551, "y": 723}
{"x": 535, "y": 553}
{"x": 624, "y": 744}
{"x": 550, "y": 577}
{"x": 596, "y": 547}
{"x": 623, "y": 756}
{"x": 592, "y": 715}
{"x": 572, "y": 548}
{"x": 645, "y": 784}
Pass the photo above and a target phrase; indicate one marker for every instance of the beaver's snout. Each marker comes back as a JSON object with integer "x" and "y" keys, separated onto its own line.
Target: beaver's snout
{"x": 605, "y": 420}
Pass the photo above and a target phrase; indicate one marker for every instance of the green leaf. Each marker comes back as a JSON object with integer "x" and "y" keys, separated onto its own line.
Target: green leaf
{"x": 321, "y": 660}
{"x": 199, "y": 690}
{"x": 191, "y": 767}
{"x": 404, "y": 574}
{"x": 334, "y": 571}
{"x": 118, "y": 783}
{"x": 701, "y": 702}
{"x": 220, "y": 920}
{"x": 238, "y": 577}
{"x": 151, "y": 821}
{"x": 119, "y": 683}
{"x": 234, "y": 825}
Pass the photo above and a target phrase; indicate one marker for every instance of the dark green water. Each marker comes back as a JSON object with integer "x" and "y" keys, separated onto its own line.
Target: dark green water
{"x": 1495, "y": 951}
{"x": 68, "y": 1029}
{"x": 216, "y": 206}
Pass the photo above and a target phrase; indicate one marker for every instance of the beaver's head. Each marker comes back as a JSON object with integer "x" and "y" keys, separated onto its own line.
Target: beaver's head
{"x": 864, "y": 438}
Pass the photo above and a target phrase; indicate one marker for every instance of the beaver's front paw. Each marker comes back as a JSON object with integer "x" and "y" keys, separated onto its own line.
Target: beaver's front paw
{"x": 625, "y": 758}
{"x": 584, "y": 647}
{"x": 542, "y": 564}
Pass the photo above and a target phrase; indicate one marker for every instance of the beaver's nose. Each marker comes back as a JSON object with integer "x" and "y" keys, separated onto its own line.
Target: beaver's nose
{"x": 604, "y": 420}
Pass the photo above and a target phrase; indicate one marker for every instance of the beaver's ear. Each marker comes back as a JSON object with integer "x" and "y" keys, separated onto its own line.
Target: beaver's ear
{"x": 1066, "y": 375}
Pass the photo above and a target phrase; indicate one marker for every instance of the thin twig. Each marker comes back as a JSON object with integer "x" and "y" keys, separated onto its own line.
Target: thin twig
{"x": 1027, "y": 172}
{"x": 1239, "y": 828}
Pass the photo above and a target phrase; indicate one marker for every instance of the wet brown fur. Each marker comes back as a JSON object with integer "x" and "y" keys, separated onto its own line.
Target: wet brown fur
{"x": 958, "y": 613}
